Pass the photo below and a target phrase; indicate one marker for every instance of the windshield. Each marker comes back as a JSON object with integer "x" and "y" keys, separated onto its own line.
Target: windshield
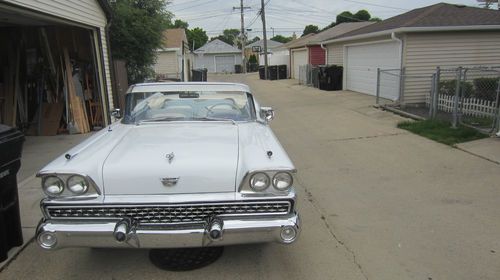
{"x": 188, "y": 106}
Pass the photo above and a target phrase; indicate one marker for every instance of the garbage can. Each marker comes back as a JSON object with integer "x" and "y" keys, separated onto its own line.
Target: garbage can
{"x": 199, "y": 75}
{"x": 272, "y": 72}
{"x": 282, "y": 73}
{"x": 262, "y": 72}
{"x": 237, "y": 69}
{"x": 11, "y": 143}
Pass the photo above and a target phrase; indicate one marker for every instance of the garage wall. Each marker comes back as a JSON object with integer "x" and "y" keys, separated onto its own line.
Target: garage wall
{"x": 317, "y": 55}
{"x": 167, "y": 63}
{"x": 335, "y": 54}
{"x": 208, "y": 61}
{"x": 87, "y": 12}
{"x": 299, "y": 57}
{"x": 426, "y": 51}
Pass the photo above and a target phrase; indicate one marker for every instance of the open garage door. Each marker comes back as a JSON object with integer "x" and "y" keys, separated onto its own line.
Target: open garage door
{"x": 224, "y": 64}
{"x": 361, "y": 66}
{"x": 299, "y": 58}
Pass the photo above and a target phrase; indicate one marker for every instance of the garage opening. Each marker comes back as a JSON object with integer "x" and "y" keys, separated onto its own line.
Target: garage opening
{"x": 49, "y": 77}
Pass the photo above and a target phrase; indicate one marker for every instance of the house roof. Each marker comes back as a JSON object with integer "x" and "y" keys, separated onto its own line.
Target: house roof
{"x": 270, "y": 44}
{"x": 217, "y": 46}
{"x": 299, "y": 42}
{"x": 173, "y": 38}
{"x": 438, "y": 15}
{"x": 337, "y": 30}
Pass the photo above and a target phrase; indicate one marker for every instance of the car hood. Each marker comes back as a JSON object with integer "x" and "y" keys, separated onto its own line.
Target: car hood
{"x": 173, "y": 158}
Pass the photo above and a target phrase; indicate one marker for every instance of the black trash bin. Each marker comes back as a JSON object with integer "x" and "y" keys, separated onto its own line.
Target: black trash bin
{"x": 199, "y": 75}
{"x": 272, "y": 72}
{"x": 262, "y": 73}
{"x": 282, "y": 73}
{"x": 11, "y": 143}
{"x": 238, "y": 69}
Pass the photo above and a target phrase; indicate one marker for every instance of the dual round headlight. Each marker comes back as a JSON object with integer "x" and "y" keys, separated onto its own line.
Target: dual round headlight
{"x": 260, "y": 181}
{"x": 54, "y": 186}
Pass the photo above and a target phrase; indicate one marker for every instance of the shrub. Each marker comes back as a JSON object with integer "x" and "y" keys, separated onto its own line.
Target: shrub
{"x": 252, "y": 59}
{"x": 486, "y": 88}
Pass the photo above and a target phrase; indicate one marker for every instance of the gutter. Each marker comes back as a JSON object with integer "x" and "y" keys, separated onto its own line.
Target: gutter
{"x": 326, "y": 52}
{"x": 414, "y": 29}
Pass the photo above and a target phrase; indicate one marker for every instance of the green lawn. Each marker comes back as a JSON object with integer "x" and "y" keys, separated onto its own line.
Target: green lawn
{"x": 441, "y": 131}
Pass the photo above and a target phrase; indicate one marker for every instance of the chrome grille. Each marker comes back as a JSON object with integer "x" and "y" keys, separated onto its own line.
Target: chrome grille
{"x": 173, "y": 213}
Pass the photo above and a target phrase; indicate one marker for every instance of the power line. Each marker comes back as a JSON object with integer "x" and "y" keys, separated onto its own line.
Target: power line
{"x": 375, "y": 5}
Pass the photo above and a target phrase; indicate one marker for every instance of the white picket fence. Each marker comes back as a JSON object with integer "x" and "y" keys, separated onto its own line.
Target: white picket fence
{"x": 468, "y": 106}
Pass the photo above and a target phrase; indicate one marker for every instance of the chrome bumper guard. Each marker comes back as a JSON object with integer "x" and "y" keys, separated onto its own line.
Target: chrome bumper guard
{"x": 60, "y": 233}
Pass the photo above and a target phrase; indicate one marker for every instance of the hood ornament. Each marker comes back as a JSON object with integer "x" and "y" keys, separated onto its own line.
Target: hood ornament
{"x": 170, "y": 157}
{"x": 169, "y": 181}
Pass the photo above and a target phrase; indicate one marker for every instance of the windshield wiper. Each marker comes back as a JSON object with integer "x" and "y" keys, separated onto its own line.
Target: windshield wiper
{"x": 162, "y": 119}
{"x": 214, "y": 119}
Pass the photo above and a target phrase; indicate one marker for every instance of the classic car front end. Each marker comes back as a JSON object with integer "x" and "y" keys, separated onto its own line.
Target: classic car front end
{"x": 190, "y": 165}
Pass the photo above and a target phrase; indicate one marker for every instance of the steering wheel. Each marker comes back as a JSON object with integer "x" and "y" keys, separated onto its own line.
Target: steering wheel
{"x": 210, "y": 109}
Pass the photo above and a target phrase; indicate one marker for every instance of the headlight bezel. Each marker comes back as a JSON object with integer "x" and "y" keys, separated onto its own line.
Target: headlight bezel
{"x": 246, "y": 188}
{"x": 91, "y": 189}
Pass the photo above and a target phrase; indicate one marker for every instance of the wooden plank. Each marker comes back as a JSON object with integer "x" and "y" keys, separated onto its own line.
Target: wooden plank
{"x": 50, "y": 118}
{"x": 77, "y": 108}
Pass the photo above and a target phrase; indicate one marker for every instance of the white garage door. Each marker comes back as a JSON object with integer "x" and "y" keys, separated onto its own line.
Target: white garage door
{"x": 361, "y": 68}
{"x": 299, "y": 59}
{"x": 224, "y": 64}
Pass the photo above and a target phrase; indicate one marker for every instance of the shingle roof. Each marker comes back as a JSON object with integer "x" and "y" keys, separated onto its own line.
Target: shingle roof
{"x": 270, "y": 44}
{"x": 173, "y": 38}
{"x": 337, "y": 31}
{"x": 299, "y": 42}
{"x": 217, "y": 46}
{"x": 438, "y": 15}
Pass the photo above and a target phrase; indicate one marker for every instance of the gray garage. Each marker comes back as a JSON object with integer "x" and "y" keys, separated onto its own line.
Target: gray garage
{"x": 217, "y": 57}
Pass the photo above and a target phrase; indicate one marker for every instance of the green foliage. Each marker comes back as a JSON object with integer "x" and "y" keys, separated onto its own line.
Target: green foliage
{"x": 375, "y": 19}
{"x": 441, "y": 131}
{"x": 282, "y": 39}
{"x": 362, "y": 15}
{"x": 252, "y": 59}
{"x": 486, "y": 88}
{"x": 310, "y": 29}
{"x": 229, "y": 36}
{"x": 255, "y": 39}
{"x": 345, "y": 16}
{"x": 448, "y": 87}
{"x": 136, "y": 33}
{"x": 180, "y": 24}
{"x": 198, "y": 36}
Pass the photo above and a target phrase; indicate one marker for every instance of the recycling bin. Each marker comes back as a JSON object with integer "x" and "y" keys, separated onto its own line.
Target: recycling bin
{"x": 11, "y": 143}
{"x": 199, "y": 75}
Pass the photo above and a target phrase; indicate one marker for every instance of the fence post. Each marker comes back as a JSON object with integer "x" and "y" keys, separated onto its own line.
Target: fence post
{"x": 378, "y": 87}
{"x": 435, "y": 97}
{"x": 454, "y": 123}
{"x": 401, "y": 86}
{"x": 432, "y": 112}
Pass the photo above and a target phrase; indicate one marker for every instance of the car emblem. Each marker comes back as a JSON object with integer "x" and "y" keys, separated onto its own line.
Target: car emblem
{"x": 170, "y": 181}
{"x": 170, "y": 157}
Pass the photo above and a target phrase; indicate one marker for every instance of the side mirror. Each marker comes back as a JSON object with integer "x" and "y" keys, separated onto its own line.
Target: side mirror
{"x": 116, "y": 113}
{"x": 267, "y": 113}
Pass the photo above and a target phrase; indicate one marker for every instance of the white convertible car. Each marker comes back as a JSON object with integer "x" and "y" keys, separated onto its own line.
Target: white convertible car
{"x": 189, "y": 165}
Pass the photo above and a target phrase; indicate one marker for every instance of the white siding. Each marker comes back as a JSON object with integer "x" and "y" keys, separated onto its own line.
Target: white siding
{"x": 208, "y": 61}
{"x": 426, "y": 51}
{"x": 86, "y": 12}
{"x": 167, "y": 63}
{"x": 335, "y": 54}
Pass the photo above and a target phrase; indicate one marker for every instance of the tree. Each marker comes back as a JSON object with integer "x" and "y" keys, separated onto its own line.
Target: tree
{"x": 310, "y": 29}
{"x": 180, "y": 24}
{"x": 136, "y": 34}
{"x": 345, "y": 16}
{"x": 281, "y": 39}
{"x": 198, "y": 36}
{"x": 229, "y": 36}
{"x": 362, "y": 15}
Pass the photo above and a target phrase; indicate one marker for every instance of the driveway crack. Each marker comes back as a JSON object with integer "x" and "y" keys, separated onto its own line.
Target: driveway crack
{"x": 368, "y": 137}
{"x": 332, "y": 233}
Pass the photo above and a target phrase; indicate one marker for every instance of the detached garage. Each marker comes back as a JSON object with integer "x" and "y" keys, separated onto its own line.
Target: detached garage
{"x": 362, "y": 61}
{"x": 55, "y": 75}
{"x": 415, "y": 43}
{"x": 217, "y": 57}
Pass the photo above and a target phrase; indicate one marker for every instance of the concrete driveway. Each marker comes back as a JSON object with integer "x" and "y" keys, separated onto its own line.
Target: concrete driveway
{"x": 376, "y": 202}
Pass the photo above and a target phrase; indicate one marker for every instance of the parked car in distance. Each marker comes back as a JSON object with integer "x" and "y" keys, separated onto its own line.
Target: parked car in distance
{"x": 188, "y": 165}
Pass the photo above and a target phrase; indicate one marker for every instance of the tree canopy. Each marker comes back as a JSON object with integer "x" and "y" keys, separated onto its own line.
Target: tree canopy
{"x": 197, "y": 37}
{"x": 136, "y": 34}
{"x": 347, "y": 16}
{"x": 281, "y": 39}
{"x": 310, "y": 29}
{"x": 229, "y": 36}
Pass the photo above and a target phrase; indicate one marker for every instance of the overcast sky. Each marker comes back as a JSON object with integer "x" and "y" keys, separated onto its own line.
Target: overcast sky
{"x": 286, "y": 16}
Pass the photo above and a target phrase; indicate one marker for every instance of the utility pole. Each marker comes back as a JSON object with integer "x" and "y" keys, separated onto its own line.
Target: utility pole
{"x": 263, "y": 16}
{"x": 272, "y": 28}
{"x": 242, "y": 35}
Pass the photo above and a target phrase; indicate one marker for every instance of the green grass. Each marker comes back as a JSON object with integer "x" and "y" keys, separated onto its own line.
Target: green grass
{"x": 479, "y": 121}
{"x": 441, "y": 131}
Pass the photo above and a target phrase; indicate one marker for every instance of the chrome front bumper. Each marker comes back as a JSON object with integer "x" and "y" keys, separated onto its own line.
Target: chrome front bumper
{"x": 103, "y": 233}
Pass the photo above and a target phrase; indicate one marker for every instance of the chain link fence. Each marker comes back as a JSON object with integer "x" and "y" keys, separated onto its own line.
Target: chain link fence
{"x": 467, "y": 96}
{"x": 308, "y": 75}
